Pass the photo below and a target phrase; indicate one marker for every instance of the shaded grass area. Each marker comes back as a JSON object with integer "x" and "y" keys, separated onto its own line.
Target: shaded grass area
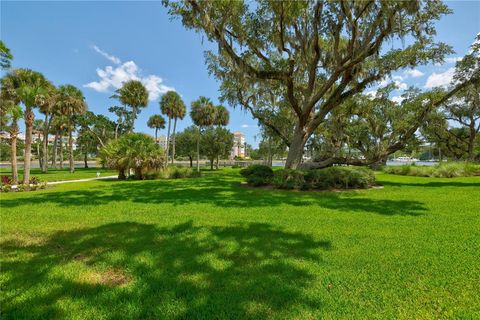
{"x": 63, "y": 174}
{"x": 207, "y": 248}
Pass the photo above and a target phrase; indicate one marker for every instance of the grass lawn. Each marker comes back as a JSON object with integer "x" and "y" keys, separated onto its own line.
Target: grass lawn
{"x": 209, "y": 249}
{"x": 63, "y": 174}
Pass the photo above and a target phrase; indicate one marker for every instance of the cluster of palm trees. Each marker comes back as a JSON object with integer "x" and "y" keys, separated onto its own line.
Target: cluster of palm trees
{"x": 23, "y": 91}
{"x": 203, "y": 113}
{"x": 172, "y": 106}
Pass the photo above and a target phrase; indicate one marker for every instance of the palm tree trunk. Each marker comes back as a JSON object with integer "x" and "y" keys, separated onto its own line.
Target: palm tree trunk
{"x": 173, "y": 139}
{"x": 39, "y": 155}
{"x": 198, "y": 150}
{"x": 168, "y": 139}
{"x": 13, "y": 136}
{"x": 70, "y": 150}
{"x": 156, "y": 135}
{"x": 61, "y": 151}
{"x": 54, "y": 151}
{"x": 29, "y": 117}
{"x": 45, "y": 144}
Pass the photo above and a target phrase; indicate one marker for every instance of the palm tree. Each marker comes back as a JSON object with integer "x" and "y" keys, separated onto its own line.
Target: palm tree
{"x": 222, "y": 117}
{"x": 48, "y": 107}
{"x": 203, "y": 113}
{"x": 12, "y": 114}
{"x": 59, "y": 128}
{"x": 133, "y": 94}
{"x": 37, "y": 130}
{"x": 178, "y": 113}
{"x": 30, "y": 88}
{"x": 71, "y": 103}
{"x": 171, "y": 105}
{"x": 156, "y": 122}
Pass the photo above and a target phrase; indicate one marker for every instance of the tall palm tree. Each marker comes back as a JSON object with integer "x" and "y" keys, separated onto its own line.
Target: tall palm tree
{"x": 179, "y": 113}
{"x": 71, "y": 103}
{"x": 37, "y": 130}
{"x": 133, "y": 94}
{"x": 203, "y": 113}
{"x": 48, "y": 107}
{"x": 156, "y": 122}
{"x": 171, "y": 105}
{"x": 222, "y": 117}
{"x": 59, "y": 127}
{"x": 11, "y": 115}
{"x": 30, "y": 88}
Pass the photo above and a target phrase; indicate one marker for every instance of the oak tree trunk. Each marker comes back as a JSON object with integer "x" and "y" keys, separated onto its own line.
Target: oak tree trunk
{"x": 295, "y": 152}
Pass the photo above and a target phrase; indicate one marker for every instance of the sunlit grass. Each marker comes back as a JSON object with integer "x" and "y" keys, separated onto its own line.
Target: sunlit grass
{"x": 207, "y": 248}
{"x": 63, "y": 174}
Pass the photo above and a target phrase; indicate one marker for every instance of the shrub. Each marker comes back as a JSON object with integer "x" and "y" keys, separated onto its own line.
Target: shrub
{"x": 339, "y": 177}
{"x": 442, "y": 170}
{"x": 173, "y": 172}
{"x": 289, "y": 179}
{"x": 6, "y": 180}
{"x": 257, "y": 175}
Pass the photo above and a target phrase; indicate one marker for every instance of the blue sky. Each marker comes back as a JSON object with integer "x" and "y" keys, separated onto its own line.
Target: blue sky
{"x": 95, "y": 45}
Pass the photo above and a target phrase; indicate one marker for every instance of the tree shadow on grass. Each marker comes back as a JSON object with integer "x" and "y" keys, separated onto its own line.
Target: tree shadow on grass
{"x": 139, "y": 271}
{"x": 433, "y": 184}
{"x": 219, "y": 191}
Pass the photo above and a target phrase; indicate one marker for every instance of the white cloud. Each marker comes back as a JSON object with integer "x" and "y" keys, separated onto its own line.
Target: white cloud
{"x": 398, "y": 80}
{"x": 440, "y": 79}
{"x": 245, "y": 126}
{"x": 106, "y": 55}
{"x": 371, "y": 94}
{"x": 414, "y": 73}
{"x": 453, "y": 59}
{"x": 397, "y": 99}
{"x": 114, "y": 77}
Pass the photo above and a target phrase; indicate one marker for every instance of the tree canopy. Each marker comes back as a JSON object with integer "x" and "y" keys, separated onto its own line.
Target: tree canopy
{"x": 313, "y": 55}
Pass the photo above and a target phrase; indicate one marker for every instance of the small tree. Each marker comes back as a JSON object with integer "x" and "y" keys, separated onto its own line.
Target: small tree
{"x": 187, "y": 143}
{"x": 216, "y": 142}
{"x": 135, "y": 151}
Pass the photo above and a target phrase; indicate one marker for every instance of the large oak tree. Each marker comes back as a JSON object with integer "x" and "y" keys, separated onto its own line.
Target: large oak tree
{"x": 315, "y": 54}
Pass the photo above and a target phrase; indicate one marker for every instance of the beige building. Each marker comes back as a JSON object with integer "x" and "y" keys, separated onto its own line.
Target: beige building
{"x": 238, "y": 149}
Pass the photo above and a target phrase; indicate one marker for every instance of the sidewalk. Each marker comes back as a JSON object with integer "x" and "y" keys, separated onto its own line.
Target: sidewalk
{"x": 82, "y": 180}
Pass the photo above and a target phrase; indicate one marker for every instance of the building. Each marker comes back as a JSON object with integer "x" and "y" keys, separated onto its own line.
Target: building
{"x": 238, "y": 149}
{"x": 162, "y": 141}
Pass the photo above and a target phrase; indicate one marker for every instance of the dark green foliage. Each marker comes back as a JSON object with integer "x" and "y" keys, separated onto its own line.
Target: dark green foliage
{"x": 339, "y": 178}
{"x": 258, "y": 175}
{"x": 289, "y": 179}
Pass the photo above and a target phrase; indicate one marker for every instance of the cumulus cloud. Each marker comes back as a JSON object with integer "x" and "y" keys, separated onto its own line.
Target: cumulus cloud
{"x": 245, "y": 126}
{"x": 442, "y": 79}
{"x": 112, "y": 78}
{"x": 414, "y": 73}
{"x": 110, "y": 57}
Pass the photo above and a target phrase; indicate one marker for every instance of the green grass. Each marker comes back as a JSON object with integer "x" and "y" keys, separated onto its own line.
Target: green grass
{"x": 208, "y": 248}
{"x": 63, "y": 174}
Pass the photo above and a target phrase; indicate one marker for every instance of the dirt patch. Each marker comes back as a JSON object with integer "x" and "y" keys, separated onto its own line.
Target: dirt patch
{"x": 110, "y": 277}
